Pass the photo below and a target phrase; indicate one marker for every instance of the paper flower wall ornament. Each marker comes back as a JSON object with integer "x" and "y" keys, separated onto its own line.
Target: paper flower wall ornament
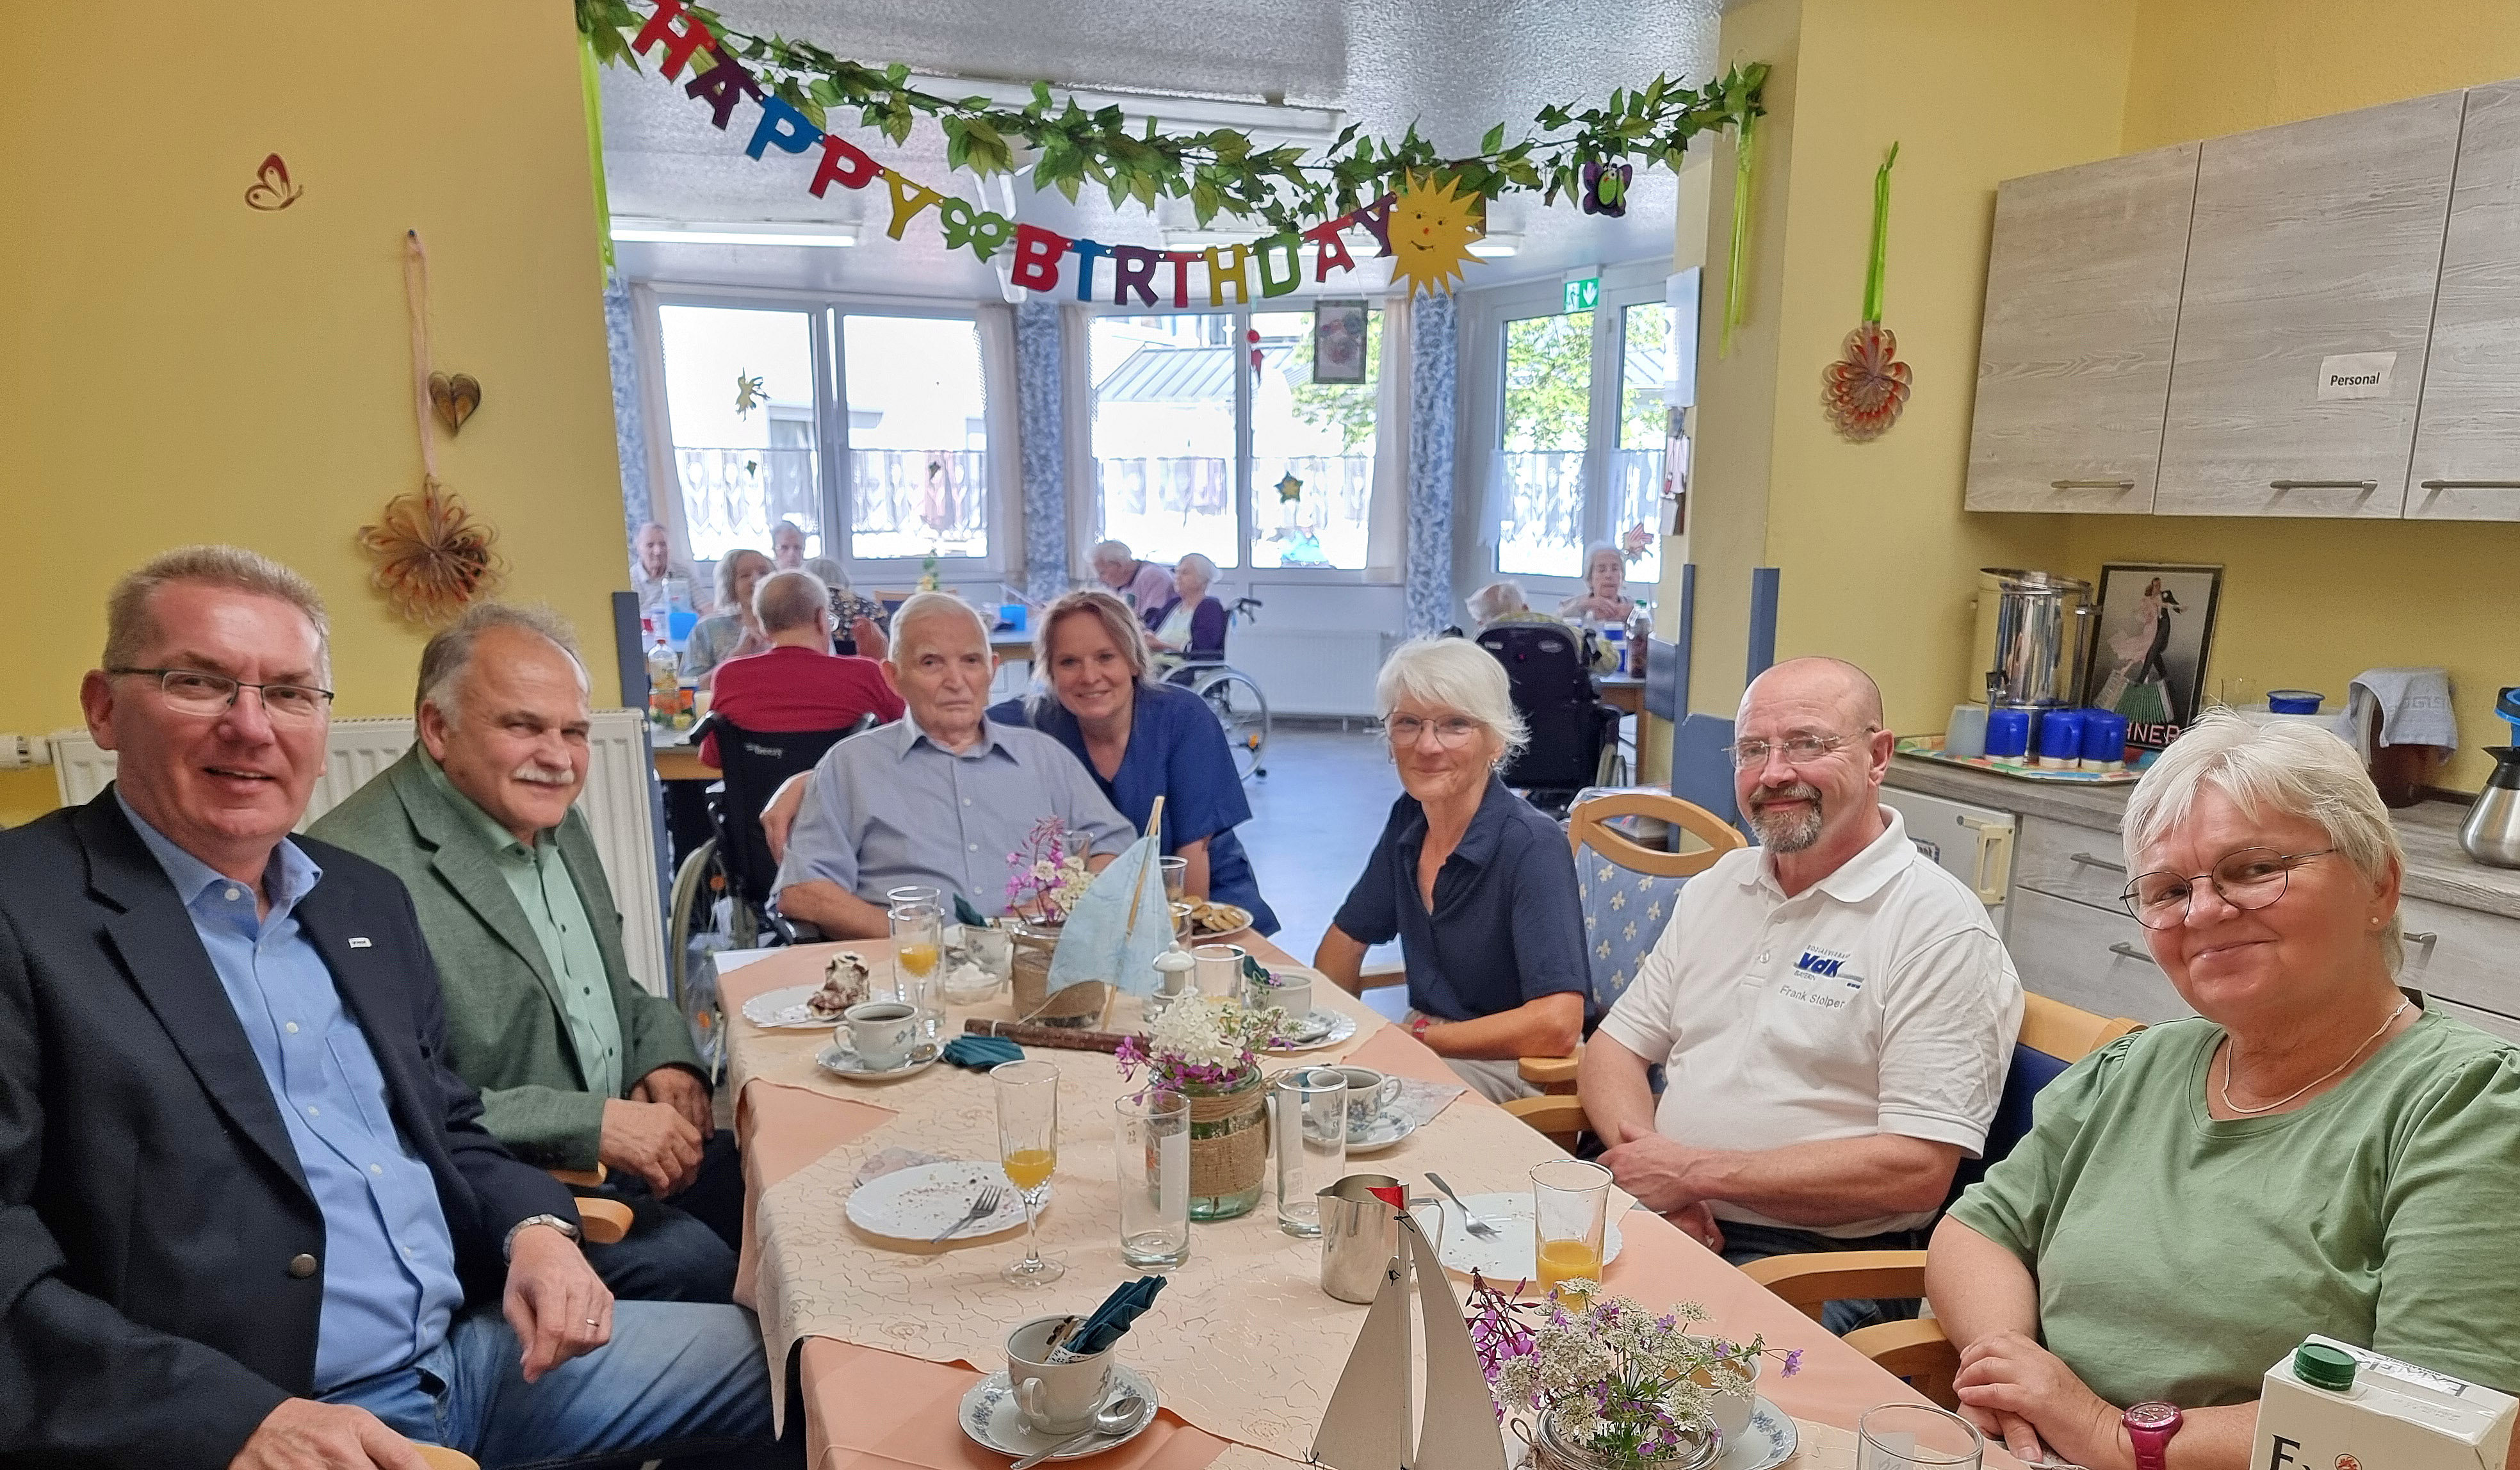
{"x": 1431, "y": 228}
{"x": 431, "y": 555}
{"x": 1865, "y": 388}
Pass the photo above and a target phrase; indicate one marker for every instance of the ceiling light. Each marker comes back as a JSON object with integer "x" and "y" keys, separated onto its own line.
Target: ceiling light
{"x": 1268, "y": 122}
{"x": 1496, "y": 247}
{"x": 731, "y": 232}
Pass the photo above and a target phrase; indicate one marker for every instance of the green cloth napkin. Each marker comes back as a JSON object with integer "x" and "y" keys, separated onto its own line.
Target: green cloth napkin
{"x": 980, "y": 1053}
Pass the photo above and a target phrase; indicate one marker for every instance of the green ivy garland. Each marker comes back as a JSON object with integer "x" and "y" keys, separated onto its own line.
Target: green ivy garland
{"x": 1218, "y": 171}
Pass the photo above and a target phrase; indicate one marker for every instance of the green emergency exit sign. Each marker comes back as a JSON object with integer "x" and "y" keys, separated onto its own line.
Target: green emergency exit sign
{"x": 1582, "y": 295}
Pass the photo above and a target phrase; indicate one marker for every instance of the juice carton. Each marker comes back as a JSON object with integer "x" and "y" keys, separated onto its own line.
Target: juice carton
{"x": 2330, "y": 1405}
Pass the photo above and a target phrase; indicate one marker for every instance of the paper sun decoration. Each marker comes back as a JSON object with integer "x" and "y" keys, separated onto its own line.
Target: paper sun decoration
{"x": 1431, "y": 233}
{"x": 1290, "y": 488}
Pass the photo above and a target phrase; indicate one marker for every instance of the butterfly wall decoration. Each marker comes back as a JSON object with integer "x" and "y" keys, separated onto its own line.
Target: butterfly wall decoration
{"x": 271, "y": 190}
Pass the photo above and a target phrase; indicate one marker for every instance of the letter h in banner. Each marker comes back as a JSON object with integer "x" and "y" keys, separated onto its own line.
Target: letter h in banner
{"x": 679, "y": 44}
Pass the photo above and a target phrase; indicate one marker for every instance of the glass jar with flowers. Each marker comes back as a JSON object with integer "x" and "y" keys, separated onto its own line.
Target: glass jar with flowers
{"x": 1045, "y": 879}
{"x": 1206, "y": 1050}
{"x": 1614, "y": 1386}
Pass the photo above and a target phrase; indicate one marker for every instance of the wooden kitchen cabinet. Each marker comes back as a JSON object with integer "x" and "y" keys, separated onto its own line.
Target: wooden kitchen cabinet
{"x": 2467, "y": 427}
{"x": 2310, "y": 240}
{"x": 2081, "y": 310}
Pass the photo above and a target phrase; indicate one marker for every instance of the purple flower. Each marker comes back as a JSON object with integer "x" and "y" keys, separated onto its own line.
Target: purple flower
{"x": 1793, "y": 1362}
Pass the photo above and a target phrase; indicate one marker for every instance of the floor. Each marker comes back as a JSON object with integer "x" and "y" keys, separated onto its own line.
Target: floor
{"x": 1314, "y": 820}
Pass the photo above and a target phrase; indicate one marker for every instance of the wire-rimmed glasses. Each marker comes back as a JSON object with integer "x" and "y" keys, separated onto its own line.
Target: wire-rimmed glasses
{"x": 2251, "y": 878}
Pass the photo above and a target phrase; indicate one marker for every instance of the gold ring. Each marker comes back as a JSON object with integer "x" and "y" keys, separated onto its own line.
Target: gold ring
{"x": 592, "y": 1323}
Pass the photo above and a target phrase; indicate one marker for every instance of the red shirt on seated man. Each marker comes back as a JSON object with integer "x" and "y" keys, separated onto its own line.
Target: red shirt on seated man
{"x": 800, "y": 683}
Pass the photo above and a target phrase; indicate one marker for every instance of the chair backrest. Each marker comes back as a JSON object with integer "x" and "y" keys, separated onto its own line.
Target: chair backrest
{"x": 1628, "y": 890}
{"x": 756, "y": 763}
{"x": 2054, "y": 1035}
{"x": 1552, "y": 691}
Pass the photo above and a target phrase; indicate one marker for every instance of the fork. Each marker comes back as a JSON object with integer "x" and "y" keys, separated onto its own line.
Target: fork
{"x": 1478, "y": 1228}
{"x": 982, "y": 1209}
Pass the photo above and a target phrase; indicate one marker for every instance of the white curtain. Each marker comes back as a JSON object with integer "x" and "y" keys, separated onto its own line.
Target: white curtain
{"x": 1076, "y": 398}
{"x": 997, "y": 334}
{"x": 1386, "y": 531}
{"x": 664, "y": 481}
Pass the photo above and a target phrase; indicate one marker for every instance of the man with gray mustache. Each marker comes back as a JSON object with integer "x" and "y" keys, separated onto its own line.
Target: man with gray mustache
{"x": 576, "y": 1064}
{"x": 1833, "y": 1012}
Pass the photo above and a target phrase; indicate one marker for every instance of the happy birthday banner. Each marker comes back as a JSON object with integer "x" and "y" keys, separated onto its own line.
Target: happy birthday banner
{"x": 1435, "y": 223}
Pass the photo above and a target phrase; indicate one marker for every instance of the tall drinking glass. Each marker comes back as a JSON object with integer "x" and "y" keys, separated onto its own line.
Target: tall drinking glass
{"x": 1916, "y": 1437}
{"x": 1175, "y": 871}
{"x": 1310, "y": 1128}
{"x": 1151, "y": 1142}
{"x": 913, "y": 892}
{"x": 918, "y": 945}
{"x": 1570, "y": 1213}
{"x": 1028, "y": 1148}
{"x": 1220, "y": 971}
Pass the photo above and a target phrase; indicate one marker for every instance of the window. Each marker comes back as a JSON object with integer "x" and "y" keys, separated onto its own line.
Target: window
{"x": 869, "y": 430}
{"x": 1635, "y": 476}
{"x": 1176, "y": 398}
{"x": 1547, "y": 413}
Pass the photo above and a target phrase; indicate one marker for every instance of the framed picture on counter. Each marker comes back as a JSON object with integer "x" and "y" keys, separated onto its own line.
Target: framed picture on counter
{"x": 2156, "y": 628}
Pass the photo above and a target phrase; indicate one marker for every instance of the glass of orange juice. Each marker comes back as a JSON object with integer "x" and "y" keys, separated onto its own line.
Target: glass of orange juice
{"x": 918, "y": 935}
{"x": 1028, "y": 1148}
{"x": 1570, "y": 1213}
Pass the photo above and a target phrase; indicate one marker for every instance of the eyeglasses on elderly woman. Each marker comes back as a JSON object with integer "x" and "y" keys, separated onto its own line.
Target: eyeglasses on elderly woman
{"x": 1452, "y": 732}
{"x": 2249, "y": 878}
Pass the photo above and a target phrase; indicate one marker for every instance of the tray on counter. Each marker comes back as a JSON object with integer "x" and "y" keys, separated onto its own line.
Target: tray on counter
{"x": 1930, "y": 747}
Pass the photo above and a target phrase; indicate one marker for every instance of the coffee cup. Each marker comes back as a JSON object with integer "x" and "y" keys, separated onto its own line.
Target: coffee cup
{"x": 1292, "y": 994}
{"x": 1368, "y": 1092}
{"x": 880, "y": 1031}
{"x": 1054, "y": 1399}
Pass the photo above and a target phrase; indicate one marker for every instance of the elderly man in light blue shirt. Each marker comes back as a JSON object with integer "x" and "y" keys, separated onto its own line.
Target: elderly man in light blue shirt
{"x": 939, "y": 798}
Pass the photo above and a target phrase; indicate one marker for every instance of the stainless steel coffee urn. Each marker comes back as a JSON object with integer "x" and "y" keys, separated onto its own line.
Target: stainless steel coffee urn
{"x": 2034, "y": 639}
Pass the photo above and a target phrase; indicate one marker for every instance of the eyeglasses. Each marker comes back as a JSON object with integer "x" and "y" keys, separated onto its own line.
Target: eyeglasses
{"x": 1450, "y": 732}
{"x": 1799, "y": 749}
{"x": 2251, "y": 878}
{"x": 189, "y": 691}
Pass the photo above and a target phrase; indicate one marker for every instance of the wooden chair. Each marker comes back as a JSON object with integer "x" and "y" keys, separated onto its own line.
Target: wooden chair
{"x": 1557, "y": 1117}
{"x": 602, "y": 1222}
{"x": 1588, "y": 825}
{"x": 439, "y": 1457}
{"x": 1916, "y": 1351}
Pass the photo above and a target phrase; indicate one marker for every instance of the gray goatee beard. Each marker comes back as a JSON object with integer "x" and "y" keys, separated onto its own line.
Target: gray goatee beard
{"x": 1787, "y": 831}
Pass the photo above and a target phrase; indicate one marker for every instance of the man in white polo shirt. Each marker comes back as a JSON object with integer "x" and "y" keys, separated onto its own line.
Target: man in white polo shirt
{"x": 1833, "y": 1012}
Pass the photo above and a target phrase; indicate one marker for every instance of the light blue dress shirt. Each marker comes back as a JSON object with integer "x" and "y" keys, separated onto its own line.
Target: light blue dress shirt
{"x": 891, "y": 807}
{"x": 390, "y": 1283}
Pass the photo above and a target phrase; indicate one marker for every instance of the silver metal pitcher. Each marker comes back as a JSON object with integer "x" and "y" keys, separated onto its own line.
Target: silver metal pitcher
{"x": 1359, "y": 1237}
{"x": 2033, "y": 638}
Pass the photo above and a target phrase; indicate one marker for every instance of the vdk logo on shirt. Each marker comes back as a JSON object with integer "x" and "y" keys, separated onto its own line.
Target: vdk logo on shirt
{"x": 1825, "y": 964}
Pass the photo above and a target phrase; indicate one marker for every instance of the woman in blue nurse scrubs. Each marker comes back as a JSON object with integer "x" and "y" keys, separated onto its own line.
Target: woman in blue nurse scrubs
{"x": 1140, "y": 741}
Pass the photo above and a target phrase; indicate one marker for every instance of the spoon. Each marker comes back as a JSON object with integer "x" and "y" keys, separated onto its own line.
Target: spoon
{"x": 1116, "y": 1417}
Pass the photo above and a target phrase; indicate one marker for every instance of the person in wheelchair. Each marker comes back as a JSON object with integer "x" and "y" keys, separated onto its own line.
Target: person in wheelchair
{"x": 937, "y": 797}
{"x": 1141, "y": 740}
{"x": 577, "y": 1064}
{"x": 797, "y": 683}
{"x": 1190, "y": 627}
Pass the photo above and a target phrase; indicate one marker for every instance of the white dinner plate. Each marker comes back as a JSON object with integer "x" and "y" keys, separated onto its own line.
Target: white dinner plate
{"x": 841, "y": 1060}
{"x": 915, "y": 1203}
{"x": 1335, "y": 1027}
{"x": 1386, "y": 1131}
{"x": 783, "y": 1010}
{"x": 1507, "y": 1258}
{"x": 1770, "y": 1440}
{"x": 989, "y": 1416}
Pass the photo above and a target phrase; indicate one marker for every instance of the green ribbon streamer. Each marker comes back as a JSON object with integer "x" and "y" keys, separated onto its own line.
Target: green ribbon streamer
{"x": 1873, "y": 268}
{"x": 1736, "y": 288}
{"x": 587, "y": 86}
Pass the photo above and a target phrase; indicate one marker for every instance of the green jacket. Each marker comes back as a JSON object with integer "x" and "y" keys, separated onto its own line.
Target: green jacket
{"x": 504, "y": 1031}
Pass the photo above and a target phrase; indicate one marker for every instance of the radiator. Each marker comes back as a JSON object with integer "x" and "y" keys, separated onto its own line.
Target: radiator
{"x": 1312, "y": 671}
{"x": 616, "y": 803}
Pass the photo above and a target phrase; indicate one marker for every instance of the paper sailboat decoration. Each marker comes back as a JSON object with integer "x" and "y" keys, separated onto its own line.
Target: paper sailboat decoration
{"x": 1367, "y": 1424}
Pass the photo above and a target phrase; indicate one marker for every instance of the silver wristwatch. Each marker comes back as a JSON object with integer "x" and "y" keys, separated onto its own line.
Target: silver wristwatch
{"x": 507, "y": 1247}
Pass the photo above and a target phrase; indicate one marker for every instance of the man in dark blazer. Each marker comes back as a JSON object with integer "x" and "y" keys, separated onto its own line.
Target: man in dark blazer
{"x": 248, "y": 1217}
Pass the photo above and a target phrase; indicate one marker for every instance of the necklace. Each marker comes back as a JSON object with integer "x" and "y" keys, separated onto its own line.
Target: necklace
{"x": 2314, "y": 1081}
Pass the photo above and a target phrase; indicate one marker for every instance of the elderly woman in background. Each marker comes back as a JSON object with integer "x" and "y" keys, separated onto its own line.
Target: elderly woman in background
{"x": 1141, "y": 741}
{"x": 734, "y": 632}
{"x": 1502, "y": 604}
{"x": 1604, "y": 597}
{"x": 2317, "y": 1150}
{"x": 1193, "y": 623}
{"x": 1477, "y": 884}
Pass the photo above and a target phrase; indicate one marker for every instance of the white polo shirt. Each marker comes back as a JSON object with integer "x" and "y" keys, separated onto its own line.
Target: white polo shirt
{"x": 1878, "y": 1000}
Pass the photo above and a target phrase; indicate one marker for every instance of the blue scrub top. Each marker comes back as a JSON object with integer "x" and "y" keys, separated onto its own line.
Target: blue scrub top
{"x": 1176, "y": 751}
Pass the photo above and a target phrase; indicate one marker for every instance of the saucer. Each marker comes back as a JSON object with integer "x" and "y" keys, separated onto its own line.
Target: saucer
{"x": 1387, "y": 1128}
{"x": 785, "y": 1009}
{"x": 989, "y": 1417}
{"x": 1767, "y": 1444}
{"x": 1319, "y": 1028}
{"x": 840, "y": 1059}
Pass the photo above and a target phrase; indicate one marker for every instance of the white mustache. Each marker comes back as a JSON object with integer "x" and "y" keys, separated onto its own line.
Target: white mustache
{"x": 544, "y": 775}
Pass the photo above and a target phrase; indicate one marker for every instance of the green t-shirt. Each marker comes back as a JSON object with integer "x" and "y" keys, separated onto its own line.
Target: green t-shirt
{"x": 2179, "y": 1256}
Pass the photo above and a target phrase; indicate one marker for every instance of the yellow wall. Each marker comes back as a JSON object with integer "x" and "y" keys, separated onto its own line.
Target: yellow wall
{"x": 176, "y": 367}
{"x": 1878, "y": 561}
{"x": 2312, "y": 603}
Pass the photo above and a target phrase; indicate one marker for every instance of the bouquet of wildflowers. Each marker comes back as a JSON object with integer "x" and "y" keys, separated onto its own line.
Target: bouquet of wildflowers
{"x": 1047, "y": 876}
{"x": 1623, "y": 1382}
{"x": 1200, "y": 1043}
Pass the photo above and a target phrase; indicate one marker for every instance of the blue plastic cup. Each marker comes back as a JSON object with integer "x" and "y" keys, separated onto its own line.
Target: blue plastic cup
{"x": 2103, "y": 740}
{"x": 2007, "y": 734}
{"x": 2061, "y": 738}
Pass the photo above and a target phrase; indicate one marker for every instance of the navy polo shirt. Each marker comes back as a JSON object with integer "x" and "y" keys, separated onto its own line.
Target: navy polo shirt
{"x": 1508, "y": 926}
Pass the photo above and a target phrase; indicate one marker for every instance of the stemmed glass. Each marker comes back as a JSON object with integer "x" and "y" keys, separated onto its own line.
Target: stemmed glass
{"x": 1028, "y": 1147}
{"x": 917, "y": 942}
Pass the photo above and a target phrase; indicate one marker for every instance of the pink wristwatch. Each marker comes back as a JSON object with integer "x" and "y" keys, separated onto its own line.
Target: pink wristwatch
{"x": 2150, "y": 1427}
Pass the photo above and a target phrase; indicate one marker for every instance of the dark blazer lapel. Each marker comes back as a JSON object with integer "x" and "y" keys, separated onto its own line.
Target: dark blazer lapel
{"x": 460, "y": 856}
{"x": 153, "y": 937}
{"x": 371, "y": 984}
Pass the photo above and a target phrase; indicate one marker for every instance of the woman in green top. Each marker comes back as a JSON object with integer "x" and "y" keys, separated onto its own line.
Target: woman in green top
{"x": 2318, "y": 1153}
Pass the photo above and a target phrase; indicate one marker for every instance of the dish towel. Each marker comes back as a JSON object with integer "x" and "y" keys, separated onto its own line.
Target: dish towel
{"x": 2413, "y": 705}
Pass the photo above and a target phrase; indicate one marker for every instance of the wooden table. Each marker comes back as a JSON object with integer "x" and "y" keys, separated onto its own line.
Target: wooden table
{"x": 677, "y": 761}
{"x": 1626, "y": 694}
{"x": 871, "y": 1409}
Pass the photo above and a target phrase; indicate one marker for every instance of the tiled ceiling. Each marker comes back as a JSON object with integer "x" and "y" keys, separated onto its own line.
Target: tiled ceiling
{"x": 1453, "y": 66}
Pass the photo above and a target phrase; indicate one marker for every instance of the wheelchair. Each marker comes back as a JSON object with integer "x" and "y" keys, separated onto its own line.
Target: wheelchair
{"x": 1230, "y": 695}
{"x": 1574, "y": 734}
{"x": 734, "y": 866}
